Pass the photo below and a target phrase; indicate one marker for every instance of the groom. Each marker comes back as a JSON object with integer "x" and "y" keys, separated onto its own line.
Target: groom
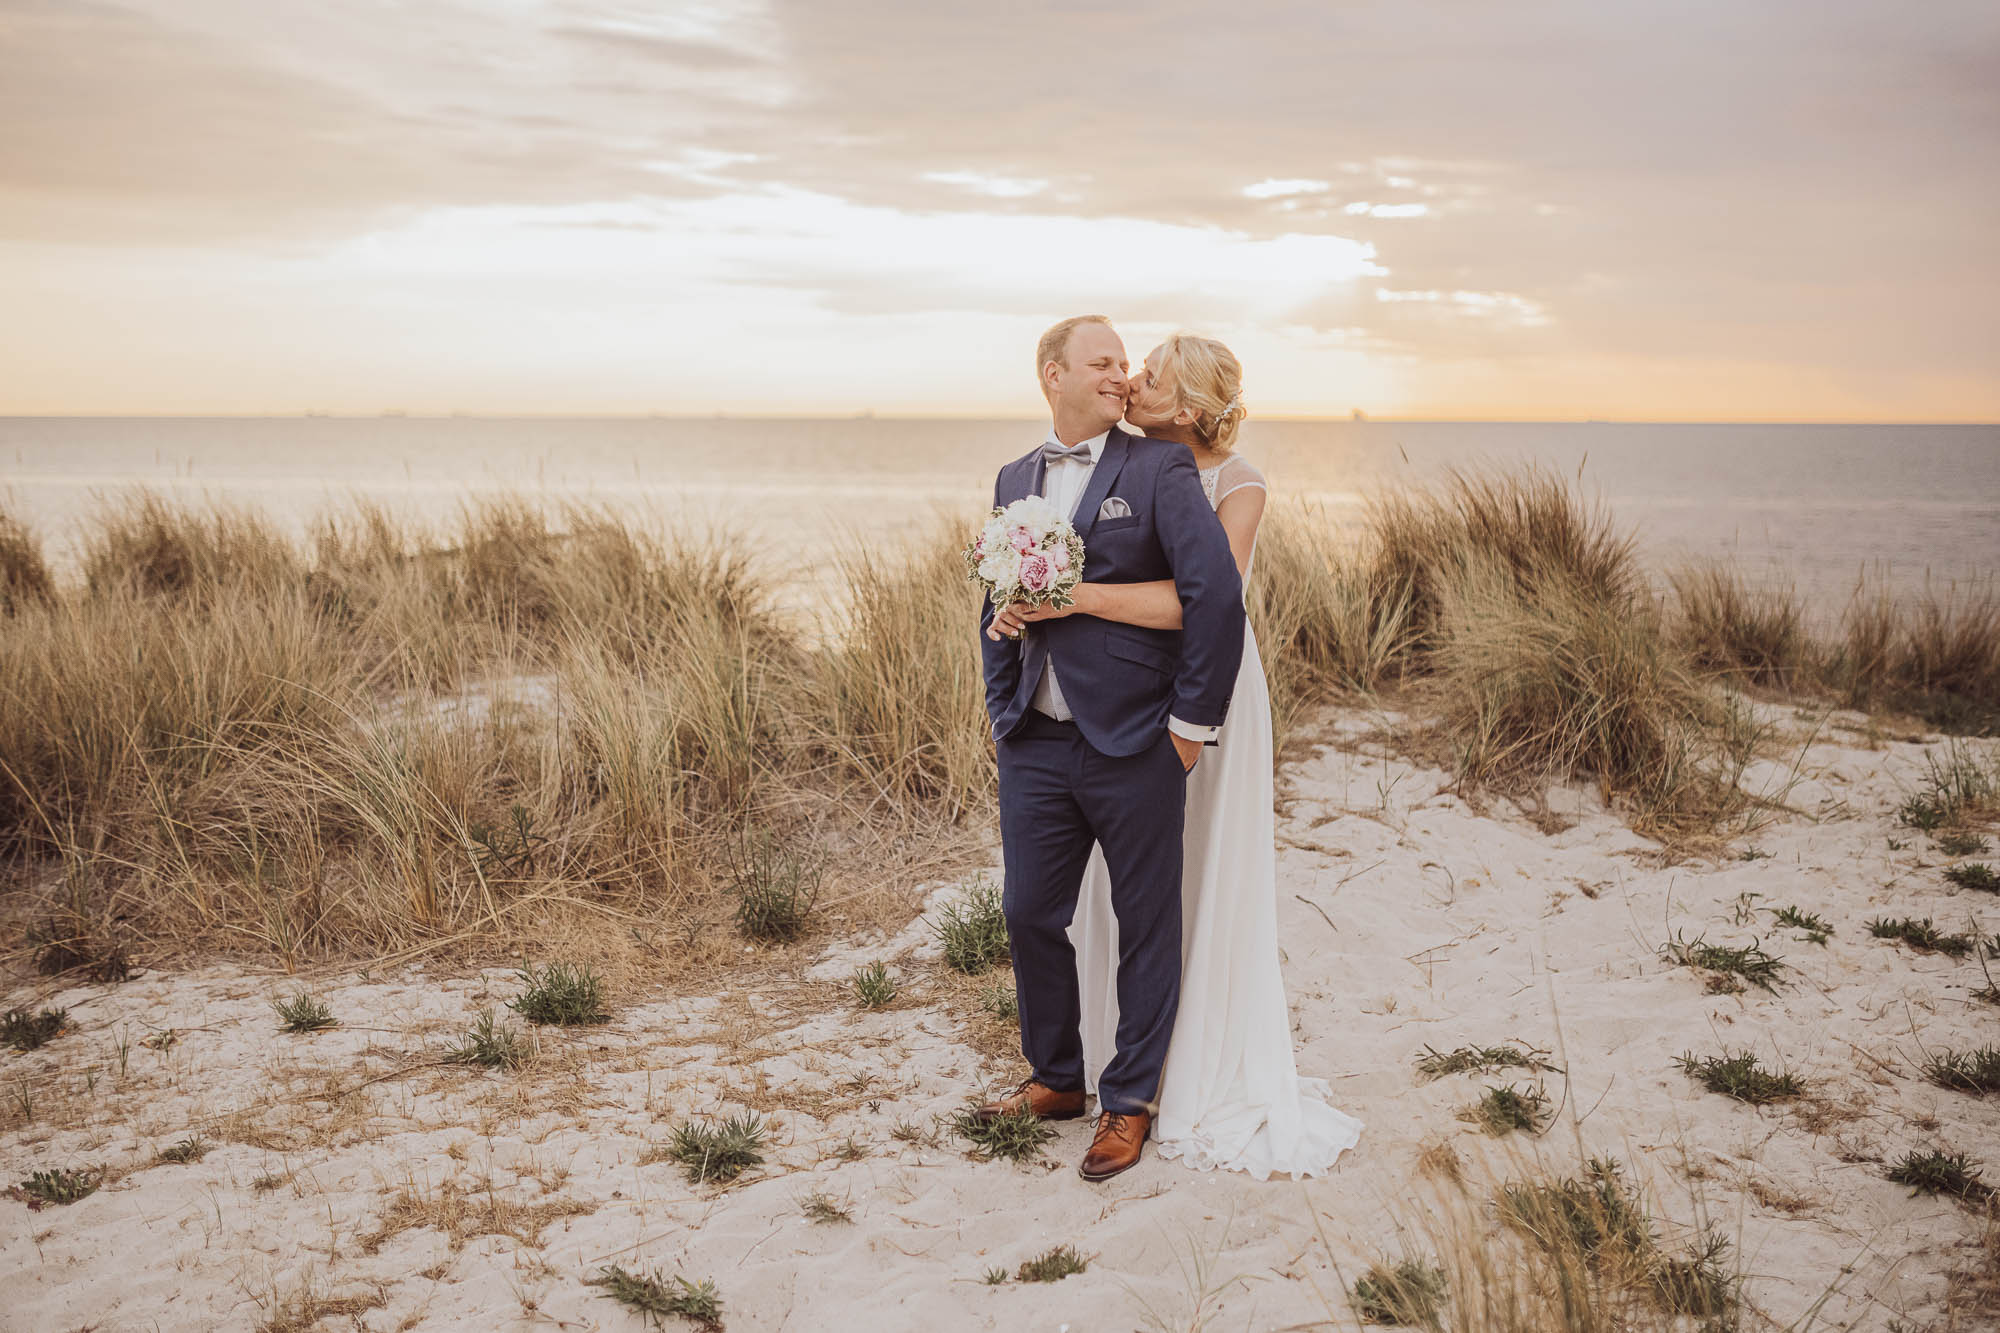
{"x": 1097, "y": 725}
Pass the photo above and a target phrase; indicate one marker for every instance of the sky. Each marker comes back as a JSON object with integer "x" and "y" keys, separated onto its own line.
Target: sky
{"x": 1709, "y": 210}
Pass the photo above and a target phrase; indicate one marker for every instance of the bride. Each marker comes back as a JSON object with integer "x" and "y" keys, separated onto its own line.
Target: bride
{"x": 1231, "y": 1096}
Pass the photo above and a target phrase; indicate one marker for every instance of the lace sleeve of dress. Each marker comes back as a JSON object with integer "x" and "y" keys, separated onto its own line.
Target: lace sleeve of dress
{"x": 1235, "y": 474}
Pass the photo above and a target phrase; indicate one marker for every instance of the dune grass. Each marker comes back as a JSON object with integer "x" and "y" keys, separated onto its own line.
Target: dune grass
{"x": 392, "y": 737}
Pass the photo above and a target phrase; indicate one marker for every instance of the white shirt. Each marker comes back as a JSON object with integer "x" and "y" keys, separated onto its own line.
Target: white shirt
{"x": 1064, "y": 484}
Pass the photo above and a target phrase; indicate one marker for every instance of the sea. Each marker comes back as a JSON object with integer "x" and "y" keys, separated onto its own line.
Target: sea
{"x": 1815, "y": 507}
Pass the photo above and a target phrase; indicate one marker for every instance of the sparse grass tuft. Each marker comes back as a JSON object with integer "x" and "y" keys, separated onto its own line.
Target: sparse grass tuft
{"x": 1696, "y": 1284}
{"x": 851, "y": 1149}
{"x": 1052, "y": 1266}
{"x": 1726, "y": 628}
{"x": 1951, "y": 789}
{"x": 995, "y": 1277}
{"x": 1975, "y": 1071}
{"x": 1728, "y": 968}
{"x": 1974, "y": 876}
{"x": 820, "y": 1208}
{"x": 974, "y": 930}
{"x": 1434, "y": 1064}
{"x": 1938, "y": 1172}
{"x": 1961, "y": 844}
{"x": 563, "y": 994}
{"x": 710, "y": 1152}
{"x": 1741, "y": 1077}
{"x": 26, "y": 1031}
{"x": 1503, "y": 1110}
{"x": 1016, "y": 1136}
{"x": 1593, "y": 1217}
{"x": 909, "y": 1131}
{"x": 873, "y": 986}
{"x": 190, "y": 1149}
{"x": 303, "y": 1012}
{"x": 658, "y": 1300}
{"x": 1817, "y": 931}
{"x": 1411, "y": 1293}
{"x": 1922, "y": 936}
{"x": 59, "y": 1186}
{"x": 1000, "y": 1002}
{"x": 490, "y": 1045}
{"x": 24, "y": 575}
{"x": 775, "y": 885}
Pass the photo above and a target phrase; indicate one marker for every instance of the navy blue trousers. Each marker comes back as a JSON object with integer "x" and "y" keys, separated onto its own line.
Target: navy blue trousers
{"x": 1058, "y": 795}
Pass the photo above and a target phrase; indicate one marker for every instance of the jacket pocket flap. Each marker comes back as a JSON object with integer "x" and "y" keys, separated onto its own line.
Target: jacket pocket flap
{"x": 1145, "y": 654}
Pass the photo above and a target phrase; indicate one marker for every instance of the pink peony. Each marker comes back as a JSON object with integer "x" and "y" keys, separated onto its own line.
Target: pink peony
{"x": 1021, "y": 540}
{"x": 1059, "y": 557}
{"x": 1036, "y": 575}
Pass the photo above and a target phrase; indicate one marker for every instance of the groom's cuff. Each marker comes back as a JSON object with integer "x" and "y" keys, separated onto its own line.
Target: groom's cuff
{"x": 1188, "y": 731}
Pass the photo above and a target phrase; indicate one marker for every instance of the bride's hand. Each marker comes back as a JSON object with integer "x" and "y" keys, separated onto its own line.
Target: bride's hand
{"x": 1010, "y": 620}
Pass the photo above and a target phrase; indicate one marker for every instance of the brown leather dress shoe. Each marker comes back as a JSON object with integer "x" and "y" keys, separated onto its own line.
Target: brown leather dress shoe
{"x": 1116, "y": 1147}
{"x": 1029, "y": 1095}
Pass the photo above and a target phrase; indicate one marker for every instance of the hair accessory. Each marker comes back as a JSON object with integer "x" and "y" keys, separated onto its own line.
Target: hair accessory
{"x": 1234, "y": 403}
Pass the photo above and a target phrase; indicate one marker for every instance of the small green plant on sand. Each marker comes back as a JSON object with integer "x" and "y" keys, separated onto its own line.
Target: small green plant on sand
{"x": 659, "y": 1299}
{"x": 1923, "y": 936}
{"x": 1974, "y": 875}
{"x": 1052, "y": 1265}
{"x": 1975, "y": 1071}
{"x": 1015, "y": 1135}
{"x": 1939, "y": 1172}
{"x": 563, "y": 994}
{"x": 1412, "y": 1292}
{"x": 1740, "y": 1076}
{"x": 190, "y": 1149}
{"x": 1729, "y": 969}
{"x": 775, "y": 885}
{"x": 1817, "y": 931}
{"x": 974, "y": 931}
{"x": 1000, "y": 1003}
{"x": 303, "y": 1012}
{"x": 711, "y": 1152}
{"x": 1961, "y": 844}
{"x": 1503, "y": 1110}
{"x": 489, "y": 1045}
{"x": 58, "y": 1186}
{"x": 1434, "y": 1064}
{"x": 820, "y": 1208}
{"x": 874, "y": 988}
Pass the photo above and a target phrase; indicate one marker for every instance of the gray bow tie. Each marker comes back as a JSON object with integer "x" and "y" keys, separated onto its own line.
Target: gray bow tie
{"x": 1055, "y": 453}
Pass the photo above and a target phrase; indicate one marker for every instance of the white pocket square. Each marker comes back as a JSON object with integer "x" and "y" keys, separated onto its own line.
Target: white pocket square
{"x": 1114, "y": 508}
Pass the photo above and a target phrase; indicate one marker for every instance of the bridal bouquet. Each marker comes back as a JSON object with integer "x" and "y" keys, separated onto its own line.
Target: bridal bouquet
{"x": 1027, "y": 552}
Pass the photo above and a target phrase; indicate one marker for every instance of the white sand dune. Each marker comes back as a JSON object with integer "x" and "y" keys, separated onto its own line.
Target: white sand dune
{"x": 1410, "y": 920}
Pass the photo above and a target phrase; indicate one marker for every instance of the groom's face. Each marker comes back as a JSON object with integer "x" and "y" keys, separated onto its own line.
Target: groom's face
{"x": 1088, "y": 384}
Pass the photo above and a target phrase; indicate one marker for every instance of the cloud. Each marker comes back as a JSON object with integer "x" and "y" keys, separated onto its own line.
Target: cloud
{"x": 1804, "y": 182}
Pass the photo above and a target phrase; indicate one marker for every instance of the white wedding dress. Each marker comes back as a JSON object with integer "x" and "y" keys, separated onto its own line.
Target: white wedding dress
{"x": 1231, "y": 1097}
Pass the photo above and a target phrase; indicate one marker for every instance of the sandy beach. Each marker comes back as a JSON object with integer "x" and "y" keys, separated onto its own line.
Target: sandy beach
{"x": 353, "y": 1180}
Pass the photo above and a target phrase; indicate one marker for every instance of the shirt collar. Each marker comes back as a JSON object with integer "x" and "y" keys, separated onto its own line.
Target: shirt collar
{"x": 1094, "y": 446}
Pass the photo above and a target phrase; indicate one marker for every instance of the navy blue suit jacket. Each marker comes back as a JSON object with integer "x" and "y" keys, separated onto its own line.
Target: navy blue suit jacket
{"x": 1121, "y": 682}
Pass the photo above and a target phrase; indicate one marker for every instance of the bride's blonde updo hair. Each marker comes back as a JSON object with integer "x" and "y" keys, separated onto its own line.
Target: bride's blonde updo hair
{"x": 1204, "y": 375}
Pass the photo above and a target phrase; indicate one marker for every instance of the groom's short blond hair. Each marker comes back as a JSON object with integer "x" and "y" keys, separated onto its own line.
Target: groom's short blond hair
{"x": 1054, "y": 345}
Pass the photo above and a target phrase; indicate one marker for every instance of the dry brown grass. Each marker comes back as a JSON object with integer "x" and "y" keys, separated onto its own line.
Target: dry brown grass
{"x": 462, "y": 1214}
{"x": 1727, "y": 628}
{"x": 24, "y": 574}
{"x": 1544, "y": 1249}
{"x": 1937, "y": 658}
{"x": 391, "y": 739}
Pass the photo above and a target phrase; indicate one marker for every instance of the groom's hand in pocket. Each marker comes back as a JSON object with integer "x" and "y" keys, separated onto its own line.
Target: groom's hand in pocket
{"x": 1188, "y": 750}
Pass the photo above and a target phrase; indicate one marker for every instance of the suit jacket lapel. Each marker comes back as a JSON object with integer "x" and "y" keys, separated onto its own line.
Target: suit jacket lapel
{"x": 1116, "y": 446}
